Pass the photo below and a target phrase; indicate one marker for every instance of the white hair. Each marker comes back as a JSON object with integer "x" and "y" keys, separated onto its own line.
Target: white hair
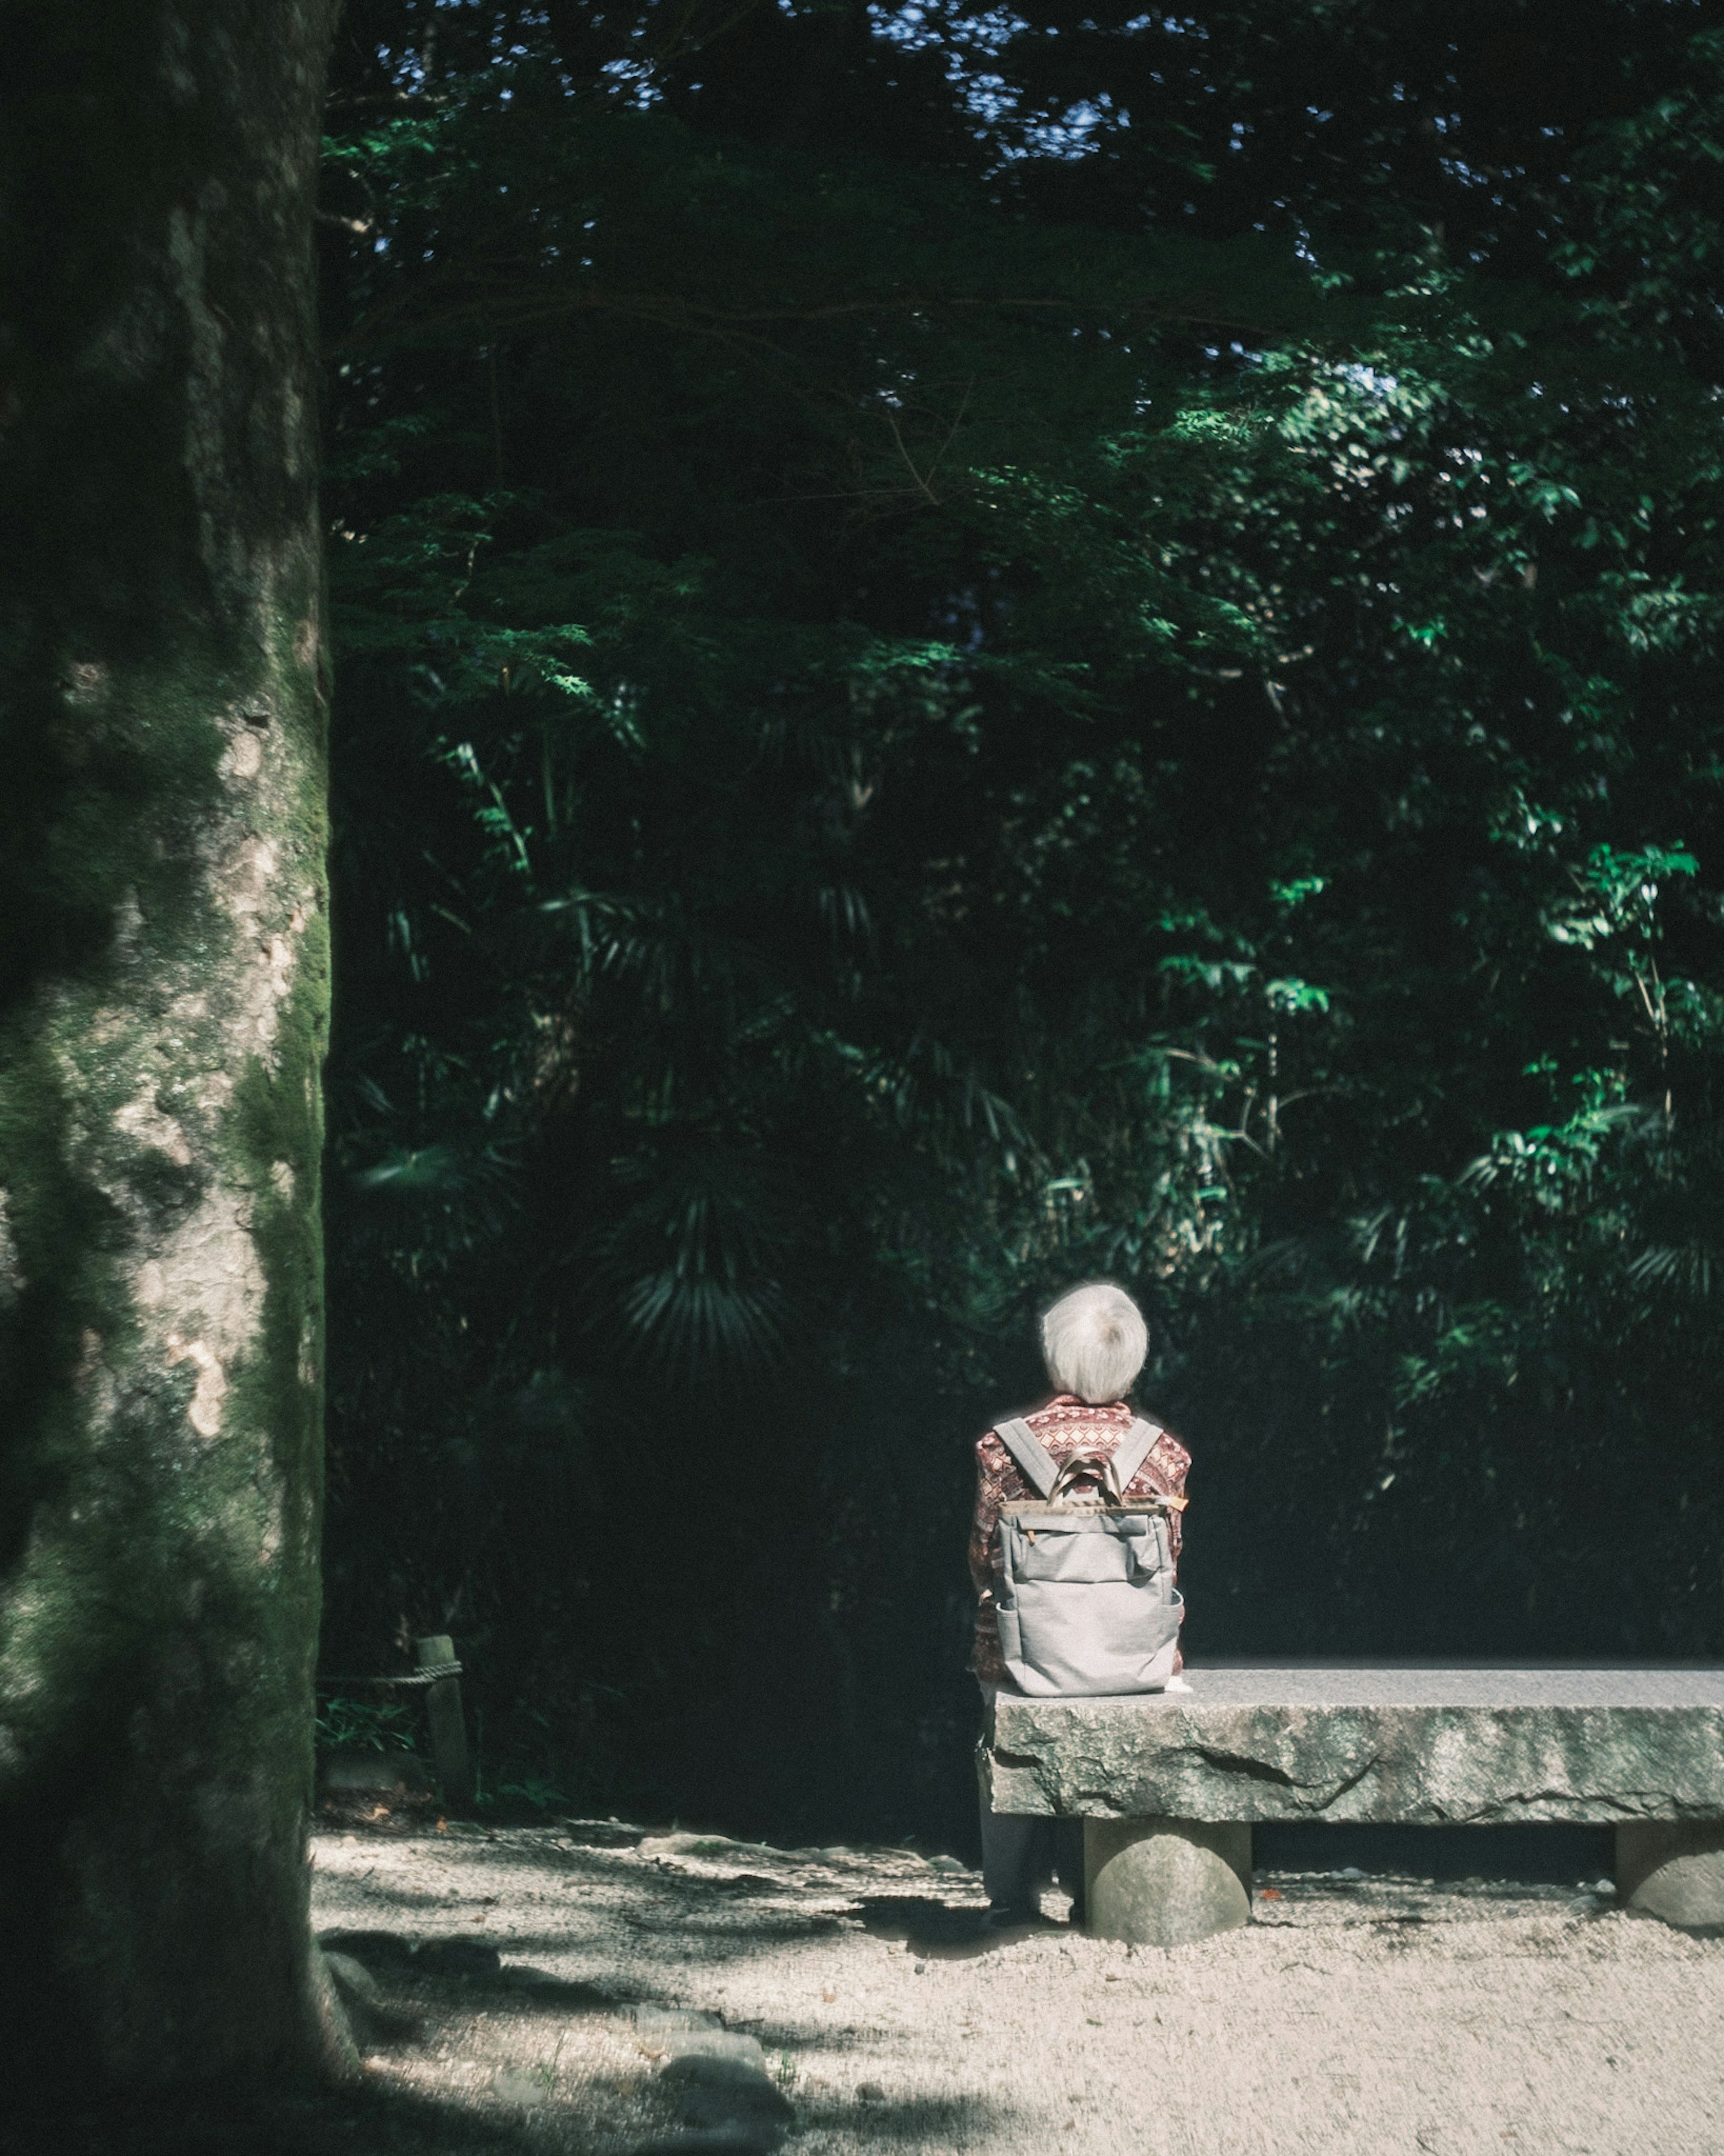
{"x": 1094, "y": 1342}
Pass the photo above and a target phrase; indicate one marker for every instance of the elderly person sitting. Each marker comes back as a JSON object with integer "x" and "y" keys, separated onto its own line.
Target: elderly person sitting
{"x": 1094, "y": 1341}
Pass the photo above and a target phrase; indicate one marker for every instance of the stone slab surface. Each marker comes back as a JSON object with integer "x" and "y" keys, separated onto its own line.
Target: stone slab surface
{"x": 1416, "y": 1743}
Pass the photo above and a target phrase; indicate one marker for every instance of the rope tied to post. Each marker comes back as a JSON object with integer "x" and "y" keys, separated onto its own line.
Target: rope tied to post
{"x": 433, "y": 1673}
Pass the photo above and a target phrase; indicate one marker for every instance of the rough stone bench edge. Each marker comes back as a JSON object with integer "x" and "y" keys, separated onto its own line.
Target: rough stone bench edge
{"x": 1207, "y": 1763}
{"x": 1356, "y": 1807}
{"x": 1587, "y": 1813}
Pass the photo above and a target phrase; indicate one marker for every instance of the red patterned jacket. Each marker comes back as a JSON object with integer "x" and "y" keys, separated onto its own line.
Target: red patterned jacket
{"x": 1065, "y": 1425}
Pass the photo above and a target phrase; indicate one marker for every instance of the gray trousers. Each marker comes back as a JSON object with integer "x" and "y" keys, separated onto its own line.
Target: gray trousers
{"x": 1018, "y": 1854}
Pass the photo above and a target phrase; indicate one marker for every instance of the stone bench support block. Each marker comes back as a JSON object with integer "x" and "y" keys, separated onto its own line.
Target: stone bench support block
{"x": 1673, "y": 1870}
{"x": 1163, "y": 1883}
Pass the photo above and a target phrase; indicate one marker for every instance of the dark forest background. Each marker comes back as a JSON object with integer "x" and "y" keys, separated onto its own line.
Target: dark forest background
{"x": 984, "y": 648}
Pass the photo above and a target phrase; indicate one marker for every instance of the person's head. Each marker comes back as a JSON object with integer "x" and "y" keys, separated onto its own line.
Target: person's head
{"x": 1094, "y": 1342}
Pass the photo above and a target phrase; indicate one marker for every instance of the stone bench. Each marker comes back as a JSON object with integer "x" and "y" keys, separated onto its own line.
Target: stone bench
{"x": 1169, "y": 1785}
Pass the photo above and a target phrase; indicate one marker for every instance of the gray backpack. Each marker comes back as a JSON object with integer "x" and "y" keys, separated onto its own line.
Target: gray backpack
{"x": 1086, "y": 1603}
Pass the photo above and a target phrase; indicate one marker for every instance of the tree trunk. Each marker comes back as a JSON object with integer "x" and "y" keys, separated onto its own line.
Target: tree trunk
{"x": 163, "y": 998}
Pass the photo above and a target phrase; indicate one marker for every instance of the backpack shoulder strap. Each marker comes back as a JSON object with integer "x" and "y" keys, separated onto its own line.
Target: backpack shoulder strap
{"x": 1031, "y": 1454}
{"x": 1132, "y": 1450}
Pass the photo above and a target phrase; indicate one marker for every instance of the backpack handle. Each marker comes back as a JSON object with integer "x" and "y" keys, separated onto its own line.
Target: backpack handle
{"x": 1088, "y": 1467}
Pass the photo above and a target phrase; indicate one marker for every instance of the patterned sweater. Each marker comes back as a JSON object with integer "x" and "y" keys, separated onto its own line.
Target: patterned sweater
{"x": 1065, "y": 1425}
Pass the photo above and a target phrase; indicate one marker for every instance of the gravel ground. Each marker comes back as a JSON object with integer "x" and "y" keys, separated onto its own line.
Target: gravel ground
{"x": 1371, "y": 2014}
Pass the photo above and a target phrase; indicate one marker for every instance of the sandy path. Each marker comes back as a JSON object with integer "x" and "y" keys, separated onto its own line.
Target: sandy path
{"x": 1374, "y": 2016}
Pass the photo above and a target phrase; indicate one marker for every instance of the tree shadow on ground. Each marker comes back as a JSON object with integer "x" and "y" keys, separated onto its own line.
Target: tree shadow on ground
{"x": 369, "y": 2121}
{"x": 937, "y": 2124}
{"x": 225, "y": 2121}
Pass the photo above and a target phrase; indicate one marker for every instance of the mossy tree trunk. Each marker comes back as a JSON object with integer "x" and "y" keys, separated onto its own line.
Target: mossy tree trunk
{"x": 163, "y": 988}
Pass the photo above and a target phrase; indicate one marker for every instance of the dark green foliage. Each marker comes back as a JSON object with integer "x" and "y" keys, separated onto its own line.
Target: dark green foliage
{"x": 920, "y": 723}
{"x": 364, "y": 1725}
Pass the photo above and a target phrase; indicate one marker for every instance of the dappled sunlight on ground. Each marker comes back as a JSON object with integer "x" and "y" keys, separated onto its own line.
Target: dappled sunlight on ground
{"x": 1354, "y": 2014}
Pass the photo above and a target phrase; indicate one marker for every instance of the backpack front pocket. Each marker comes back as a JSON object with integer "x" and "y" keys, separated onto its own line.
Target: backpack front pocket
{"x": 1085, "y": 1549}
{"x": 1105, "y": 1638}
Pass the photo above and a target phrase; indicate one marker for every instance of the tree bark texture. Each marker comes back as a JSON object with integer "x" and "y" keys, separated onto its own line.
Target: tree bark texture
{"x": 163, "y": 996}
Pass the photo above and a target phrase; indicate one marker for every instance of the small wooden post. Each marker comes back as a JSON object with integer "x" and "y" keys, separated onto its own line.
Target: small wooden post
{"x": 448, "y": 1725}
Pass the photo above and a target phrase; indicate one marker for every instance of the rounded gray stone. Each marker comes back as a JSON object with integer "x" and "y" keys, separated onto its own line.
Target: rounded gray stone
{"x": 1673, "y": 1870}
{"x": 1165, "y": 1883}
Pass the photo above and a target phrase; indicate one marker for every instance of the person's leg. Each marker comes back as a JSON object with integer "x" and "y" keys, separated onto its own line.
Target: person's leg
{"x": 1011, "y": 1849}
{"x": 1014, "y": 1851}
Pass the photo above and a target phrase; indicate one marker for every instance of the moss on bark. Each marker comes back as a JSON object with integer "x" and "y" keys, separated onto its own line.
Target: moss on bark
{"x": 163, "y": 1004}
